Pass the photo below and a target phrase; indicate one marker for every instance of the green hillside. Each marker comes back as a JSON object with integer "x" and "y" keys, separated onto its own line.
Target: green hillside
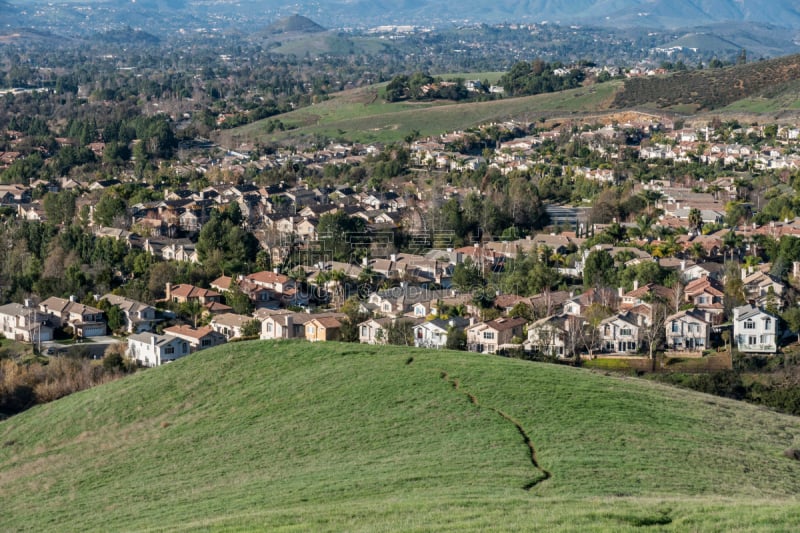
{"x": 362, "y": 115}
{"x": 333, "y": 437}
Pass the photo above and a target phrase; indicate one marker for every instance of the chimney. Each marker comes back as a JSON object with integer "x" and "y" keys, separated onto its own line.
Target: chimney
{"x": 365, "y": 261}
{"x": 169, "y": 291}
{"x": 744, "y": 273}
{"x": 289, "y": 327}
{"x": 73, "y": 298}
{"x": 393, "y": 258}
{"x": 620, "y": 291}
{"x": 683, "y": 265}
{"x": 275, "y": 270}
{"x": 635, "y": 284}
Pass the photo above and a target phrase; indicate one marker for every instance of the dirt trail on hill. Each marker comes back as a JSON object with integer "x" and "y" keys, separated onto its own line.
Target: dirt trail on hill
{"x": 545, "y": 475}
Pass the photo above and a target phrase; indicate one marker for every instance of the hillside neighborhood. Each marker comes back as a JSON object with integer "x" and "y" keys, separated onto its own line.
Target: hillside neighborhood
{"x": 697, "y": 280}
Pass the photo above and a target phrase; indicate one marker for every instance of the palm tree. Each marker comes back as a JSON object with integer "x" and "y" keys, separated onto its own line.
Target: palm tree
{"x": 697, "y": 251}
{"x": 695, "y": 219}
{"x": 651, "y": 197}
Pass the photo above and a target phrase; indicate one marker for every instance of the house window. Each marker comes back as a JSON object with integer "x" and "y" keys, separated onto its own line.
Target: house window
{"x": 205, "y": 342}
{"x": 675, "y": 326}
{"x": 768, "y": 324}
{"x": 169, "y": 350}
{"x": 363, "y": 331}
{"x": 631, "y": 346}
{"x": 693, "y": 328}
{"x": 625, "y": 332}
{"x": 763, "y": 339}
{"x": 488, "y": 335}
{"x": 752, "y": 339}
{"x": 269, "y": 327}
{"x": 749, "y": 324}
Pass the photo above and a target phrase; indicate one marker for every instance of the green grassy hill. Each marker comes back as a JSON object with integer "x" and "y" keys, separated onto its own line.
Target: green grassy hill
{"x": 362, "y": 115}
{"x": 333, "y": 437}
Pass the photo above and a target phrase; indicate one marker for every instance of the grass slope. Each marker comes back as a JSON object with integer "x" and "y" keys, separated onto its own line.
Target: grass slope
{"x": 299, "y": 437}
{"x": 361, "y": 115}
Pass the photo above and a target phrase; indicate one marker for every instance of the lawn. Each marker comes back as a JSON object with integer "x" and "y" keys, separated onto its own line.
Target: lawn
{"x": 331, "y": 437}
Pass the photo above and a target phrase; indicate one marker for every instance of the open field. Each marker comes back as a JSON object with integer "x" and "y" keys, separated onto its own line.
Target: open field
{"x": 361, "y": 115}
{"x": 331, "y": 437}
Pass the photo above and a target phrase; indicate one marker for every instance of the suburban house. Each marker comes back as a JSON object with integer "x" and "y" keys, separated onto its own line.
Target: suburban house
{"x": 754, "y": 330}
{"x": 762, "y": 289}
{"x": 645, "y": 294}
{"x": 434, "y": 333}
{"x": 278, "y": 286}
{"x": 707, "y": 295}
{"x": 556, "y": 335}
{"x": 621, "y": 333}
{"x": 24, "y": 323}
{"x": 230, "y": 325}
{"x": 373, "y": 331}
{"x": 198, "y": 339}
{"x": 187, "y": 293}
{"x": 577, "y": 305}
{"x": 688, "y": 331}
{"x": 85, "y": 321}
{"x": 285, "y": 325}
{"x": 400, "y": 300}
{"x": 139, "y": 316}
{"x": 323, "y": 329}
{"x": 149, "y": 349}
{"x": 489, "y": 337}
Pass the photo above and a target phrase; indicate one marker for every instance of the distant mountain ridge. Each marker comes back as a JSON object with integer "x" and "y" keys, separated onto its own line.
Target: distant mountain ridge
{"x": 613, "y": 13}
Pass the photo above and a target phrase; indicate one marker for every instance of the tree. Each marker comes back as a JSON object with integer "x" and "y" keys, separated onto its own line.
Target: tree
{"x": 467, "y": 277}
{"x": 792, "y": 318}
{"x": 252, "y": 328}
{"x": 654, "y": 332}
{"x": 108, "y": 209}
{"x": 456, "y": 339}
{"x": 598, "y": 270}
{"x": 400, "y": 333}
{"x": 590, "y": 332}
{"x": 695, "y": 219}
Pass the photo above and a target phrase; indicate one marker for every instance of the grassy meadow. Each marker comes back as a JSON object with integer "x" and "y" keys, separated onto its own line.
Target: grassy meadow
{"x": 329, "y": 437}
{"x": 362, "y": 115}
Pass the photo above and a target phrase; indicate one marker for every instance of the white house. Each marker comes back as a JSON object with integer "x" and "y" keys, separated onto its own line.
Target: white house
{"x": 687, "y": 330}
{"x": 434, "y": 333}
{"x": 373, "y": 331}
{"x": 556, "y": 336}
{"x": 24, "y": 323}
{"x": 149, "y": 349}
{"x": 754, "y": 330}
{"x": 620, "y": 333}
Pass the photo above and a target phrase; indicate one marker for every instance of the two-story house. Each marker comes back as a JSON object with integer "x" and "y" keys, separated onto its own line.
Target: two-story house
{"x": 25, "y": 323}
{"x": 708, "y": 296}
{"x": 149, "y": 349}
{"x": 489, "y": 337}
{"x": 374, "y": 330}
{"x": 138, "y": 316}
{"x": 322, "y": 329}
{"x": 754, "y": 330}
{"x": 434, "y": 333}
{"x": 687, "y": 331}
{"x": 198, "y": 338}
{"x": 230, "y": 325}
{"x": 621, "y": 333}
{"x": 84, "y": 320}
{"x": 556, "y": 335}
